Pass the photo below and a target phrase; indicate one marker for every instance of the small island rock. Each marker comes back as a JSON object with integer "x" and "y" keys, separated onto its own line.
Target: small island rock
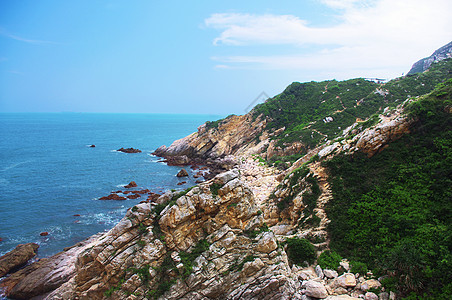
{"x": 45, "y": 233}
{"x": 129, "y": 150}
{"x": 131, "y": 185}
{"x": 182, "y": 173}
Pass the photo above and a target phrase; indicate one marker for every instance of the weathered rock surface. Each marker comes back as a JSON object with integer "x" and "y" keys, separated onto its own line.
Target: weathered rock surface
{"x": 46, "y": 274}
{"x": 315, "y": 289}
{"x": 17, "y": 257}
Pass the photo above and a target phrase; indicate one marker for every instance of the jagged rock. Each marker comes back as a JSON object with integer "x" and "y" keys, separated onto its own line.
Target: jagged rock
{"x": 315, "y": 289}
{"x": 319, "y": 272}
{"x": 344, "y": 264}
{"x": 17, "y": 257}
{"x": 225, "y": 177}
{"x": 182, "y": 173}
{"x": 370, "y": 284}
{"x": 330, "y": 273}
{"x": 46, "y": 274}
{"x": 267, "y": 243}
{"x": 370, "y": 296}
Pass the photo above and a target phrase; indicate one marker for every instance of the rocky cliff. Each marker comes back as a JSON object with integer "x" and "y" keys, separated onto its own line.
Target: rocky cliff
{"x": 424, "y": 64}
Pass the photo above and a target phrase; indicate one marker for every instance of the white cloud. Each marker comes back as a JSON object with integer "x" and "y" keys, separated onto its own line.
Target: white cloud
{"x": 384, "y": 35}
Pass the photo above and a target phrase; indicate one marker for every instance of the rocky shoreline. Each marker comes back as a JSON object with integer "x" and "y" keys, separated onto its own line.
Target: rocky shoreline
{"x": 236, "y": 211}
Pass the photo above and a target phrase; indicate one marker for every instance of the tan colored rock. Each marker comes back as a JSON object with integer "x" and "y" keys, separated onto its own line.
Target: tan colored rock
{"x": 370, "y": 284}
{"x": 17, "y": 257}
{"x": 345, "y": 280}
{"x": 46, "y": 274}
{"x": 267, "y": 243}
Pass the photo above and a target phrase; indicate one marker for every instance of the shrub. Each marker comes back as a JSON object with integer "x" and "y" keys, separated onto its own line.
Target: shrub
{"x": 300, "y": 250}
{"x": 358, "y": 267}
{"x": 329, "y": 260}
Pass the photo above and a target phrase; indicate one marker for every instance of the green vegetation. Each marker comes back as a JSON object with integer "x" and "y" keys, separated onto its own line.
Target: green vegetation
{"x": 310, "y": 196}
{"x": 164, "y": 283}
{"x": 303, "y": 107}
{"x": 393, "y": 210}
{"x": 254, "y": 233}
{"x": 329, "y": 260}
{"x": 114, "y": 288}
{"x": 300, "y": 250}
{"x": 239, "y": 266}
{"x": 189, "y": 257}
{"x": 214, "y": 187}
{"x": 283, "y": 162}
{"x": 215, "y": 124}
{"x": 143, "y": 273}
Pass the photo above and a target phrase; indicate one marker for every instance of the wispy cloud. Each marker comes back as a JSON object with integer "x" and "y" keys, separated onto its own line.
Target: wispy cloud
{"x": 5, "y": 33}
{"x": 378, "y": 34}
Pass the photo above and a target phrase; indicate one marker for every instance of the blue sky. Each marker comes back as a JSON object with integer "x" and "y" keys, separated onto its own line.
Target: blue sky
{"x": 211, "y": 57}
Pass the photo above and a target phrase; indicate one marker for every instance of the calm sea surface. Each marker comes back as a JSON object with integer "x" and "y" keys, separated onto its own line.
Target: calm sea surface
{"x": 48, "y": 172}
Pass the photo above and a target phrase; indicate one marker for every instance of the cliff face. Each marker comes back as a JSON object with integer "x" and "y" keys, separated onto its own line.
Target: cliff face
{"x": 424, "y": 64}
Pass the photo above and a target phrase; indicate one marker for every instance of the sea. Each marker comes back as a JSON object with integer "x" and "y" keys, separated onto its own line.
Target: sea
{"x": 49, "y": 172}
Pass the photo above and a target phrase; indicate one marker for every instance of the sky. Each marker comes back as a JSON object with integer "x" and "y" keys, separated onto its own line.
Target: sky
{"x": 201, "y": 56}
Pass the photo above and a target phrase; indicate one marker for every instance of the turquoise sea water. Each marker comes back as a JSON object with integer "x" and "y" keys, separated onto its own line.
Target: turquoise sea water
{"x": 48, "y": 172}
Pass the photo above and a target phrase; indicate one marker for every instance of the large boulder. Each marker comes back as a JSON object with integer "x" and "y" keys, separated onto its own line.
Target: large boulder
{"x": 17, "y": 257}
{"x": 315, "y": 289}
{"x": 46, "y": 274}
{"x": 370, "y": 284}
{"x": 345, "y": 280}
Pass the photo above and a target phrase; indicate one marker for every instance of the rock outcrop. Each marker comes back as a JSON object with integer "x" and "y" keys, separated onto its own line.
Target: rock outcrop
{"x": 424, "y": 64}
{"x": 129, "y": 150}
{"x": 17, "y": 257}
{"x": 46, "y": 274}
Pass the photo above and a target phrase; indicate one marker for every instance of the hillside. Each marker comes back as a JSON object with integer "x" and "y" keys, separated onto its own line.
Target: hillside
{"x": 425, "y": 63}
{"x": 333, "y": 190}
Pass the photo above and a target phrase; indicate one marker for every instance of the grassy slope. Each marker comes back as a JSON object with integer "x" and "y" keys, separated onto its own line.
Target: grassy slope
{"x": 393, "y": 211}
{"x": 302, "y": 107}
